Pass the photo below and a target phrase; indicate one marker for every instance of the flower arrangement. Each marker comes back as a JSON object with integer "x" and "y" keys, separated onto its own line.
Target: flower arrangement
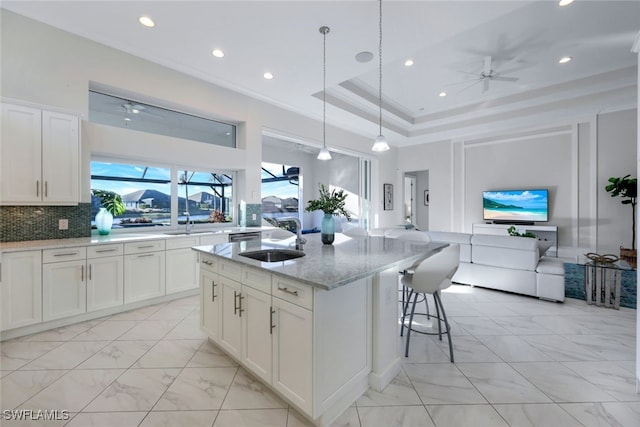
{"x": 330, "y": 202}
{"x": 217, "y": 216}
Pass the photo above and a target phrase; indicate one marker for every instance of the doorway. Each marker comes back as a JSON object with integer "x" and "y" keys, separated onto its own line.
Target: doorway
{"x": 416, "y": 199}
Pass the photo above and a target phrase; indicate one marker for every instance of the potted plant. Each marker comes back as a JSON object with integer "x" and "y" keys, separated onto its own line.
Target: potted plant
{"x": 112, "y": 205}
{"x": 332, "y": 204}
{"x": 627, "y": 188}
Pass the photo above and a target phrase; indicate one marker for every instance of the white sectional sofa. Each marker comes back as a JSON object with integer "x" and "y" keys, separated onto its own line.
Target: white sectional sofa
{"x": 508, "y": 263}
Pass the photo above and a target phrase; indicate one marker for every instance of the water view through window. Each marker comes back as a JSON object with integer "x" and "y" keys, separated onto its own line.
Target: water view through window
{"x": 202, "y": 196}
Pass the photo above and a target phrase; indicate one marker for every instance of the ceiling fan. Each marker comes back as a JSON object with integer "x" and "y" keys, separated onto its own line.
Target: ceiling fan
{"x": 488, "y": 74}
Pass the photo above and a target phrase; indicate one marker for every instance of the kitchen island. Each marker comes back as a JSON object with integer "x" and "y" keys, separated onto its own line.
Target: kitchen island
{"x": 319, "y": 329}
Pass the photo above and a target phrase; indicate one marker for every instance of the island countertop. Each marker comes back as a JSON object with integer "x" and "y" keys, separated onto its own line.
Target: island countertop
{"x": 329, "y": 266}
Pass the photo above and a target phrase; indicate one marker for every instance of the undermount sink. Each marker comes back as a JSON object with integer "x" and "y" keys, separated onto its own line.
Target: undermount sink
{"x": 183, "y": 233}
{"x": 273, "y": 255}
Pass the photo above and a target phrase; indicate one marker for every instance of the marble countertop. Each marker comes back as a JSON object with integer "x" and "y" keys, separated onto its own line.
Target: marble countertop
{"x": 329, "y": 266}
{"x": 118, "y": 238}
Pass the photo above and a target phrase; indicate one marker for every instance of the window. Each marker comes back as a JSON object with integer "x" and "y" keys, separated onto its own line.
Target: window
{"x": 280, "y": 191}
{"x": 124, "y": 113}
{"x": 150, "y": 194}
{"x": 205, "y": 197}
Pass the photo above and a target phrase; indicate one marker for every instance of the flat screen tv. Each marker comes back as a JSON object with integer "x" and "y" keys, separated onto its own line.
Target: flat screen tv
{"x": 516, "y": 206}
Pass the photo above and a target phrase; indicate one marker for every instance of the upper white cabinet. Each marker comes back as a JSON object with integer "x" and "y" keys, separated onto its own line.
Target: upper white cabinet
{"x": 39, "y": 156}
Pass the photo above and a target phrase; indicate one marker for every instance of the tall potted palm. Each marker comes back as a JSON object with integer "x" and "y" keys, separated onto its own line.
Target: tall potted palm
{"x": 627, "y": 189}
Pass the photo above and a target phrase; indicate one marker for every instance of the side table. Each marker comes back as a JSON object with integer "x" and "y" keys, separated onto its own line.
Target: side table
{"x": 602, "y": 281}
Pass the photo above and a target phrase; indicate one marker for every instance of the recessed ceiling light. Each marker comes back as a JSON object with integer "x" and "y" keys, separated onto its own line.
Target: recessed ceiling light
{"x": 127, "y": 119}
{"x": 408, "y": 63}
{"x": 146, "y": 21}
{"x": 218, "y": 53}
{"x": 135, "y": 110}
{"x": 564, "y": 59}
{"x": 364, "y": 56}
{"x": 442, "y": 94}
{"x": 565, "y": 2}
{"x": 268, "y": 75}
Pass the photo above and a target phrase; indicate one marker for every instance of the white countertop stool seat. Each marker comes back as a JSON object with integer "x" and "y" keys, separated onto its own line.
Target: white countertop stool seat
{"x": 431, "y": 276}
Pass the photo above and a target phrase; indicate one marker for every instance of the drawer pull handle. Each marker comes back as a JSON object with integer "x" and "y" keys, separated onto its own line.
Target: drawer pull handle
{"x": 101, "y": 251}
{"x": 204, "y": 261}
{"x": 286, "y": 290}
{"x": 66, "y": 254}
{"x": 145, "y": 255}
{"x": 146, "y": 247}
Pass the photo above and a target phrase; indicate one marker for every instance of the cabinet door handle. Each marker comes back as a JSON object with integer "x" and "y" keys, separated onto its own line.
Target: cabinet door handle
{"x": 90, "y": 269}
{"x": 235, "y": 304}
{"x": 46, "y": 188}
{"x": 38, "y": 188}
{"x": 101, "y": 251}
{"x": 286, "y": 290}
{"x": 213, "y": 291}
{"x": 271, "y": 313}
{"x": 240, "y": 309}
{"x": 66, "y": 254}
{"x": 82, "y": 273}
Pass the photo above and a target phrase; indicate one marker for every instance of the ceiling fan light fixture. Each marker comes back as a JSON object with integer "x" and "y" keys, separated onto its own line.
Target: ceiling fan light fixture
{"x": 564, "y": 60}
{"x": 146, "y": 21}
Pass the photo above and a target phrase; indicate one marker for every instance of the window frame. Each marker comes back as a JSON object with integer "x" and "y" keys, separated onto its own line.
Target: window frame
{"x": 174, "y": 170}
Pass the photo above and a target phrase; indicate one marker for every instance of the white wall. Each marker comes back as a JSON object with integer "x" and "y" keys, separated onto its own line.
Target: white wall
{"x": 58, "y": 73}
{"x": 616, "y": 158}
{"x": 574, "y": 160}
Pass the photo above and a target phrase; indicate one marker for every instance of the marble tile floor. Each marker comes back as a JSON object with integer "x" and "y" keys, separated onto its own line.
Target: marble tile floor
{"x": 519, "y": 362}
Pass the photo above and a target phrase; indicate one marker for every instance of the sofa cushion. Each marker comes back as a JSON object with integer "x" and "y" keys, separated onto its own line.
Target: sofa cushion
{"x": 549, "y": 265}
{"x": 519, "y": 253}
{"x": 450, "y": 237}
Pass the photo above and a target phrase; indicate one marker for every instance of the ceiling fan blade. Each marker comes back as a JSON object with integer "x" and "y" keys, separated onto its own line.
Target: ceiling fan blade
{"x": 487, "y": 66}
{"x": 505, "y": 79}
{"x": 485, "y": 85}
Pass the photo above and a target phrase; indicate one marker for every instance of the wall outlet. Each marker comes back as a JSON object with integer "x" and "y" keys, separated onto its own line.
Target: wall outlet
{"x": 254, "y": 217}
{"x": 63, "y": 224}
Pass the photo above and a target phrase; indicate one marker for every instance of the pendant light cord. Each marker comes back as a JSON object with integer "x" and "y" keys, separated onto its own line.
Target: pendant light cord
{"x": 380, "y": 70}
{"x": 324, "y": 31}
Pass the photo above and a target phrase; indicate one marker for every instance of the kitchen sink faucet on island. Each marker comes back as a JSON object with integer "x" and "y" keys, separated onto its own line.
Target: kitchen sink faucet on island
{"x": 300, "y": 241}
{"x": 318, "y": 328}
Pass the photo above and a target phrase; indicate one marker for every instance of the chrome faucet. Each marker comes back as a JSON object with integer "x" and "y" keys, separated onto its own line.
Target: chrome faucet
{"x": 188, "y": 223}
{"x": 299, "y": 240}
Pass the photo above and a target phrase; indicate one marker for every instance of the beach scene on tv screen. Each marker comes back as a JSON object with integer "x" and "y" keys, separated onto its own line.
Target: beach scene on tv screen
{"x": 520, "y": 205}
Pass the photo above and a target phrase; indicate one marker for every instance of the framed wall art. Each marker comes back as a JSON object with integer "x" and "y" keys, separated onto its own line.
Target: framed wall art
{"x": 387, "y": 190}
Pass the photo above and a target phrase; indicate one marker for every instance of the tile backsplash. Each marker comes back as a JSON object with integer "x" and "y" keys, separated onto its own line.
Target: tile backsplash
{"x": 247, "y": 211}
{"x": 20, "y": 223}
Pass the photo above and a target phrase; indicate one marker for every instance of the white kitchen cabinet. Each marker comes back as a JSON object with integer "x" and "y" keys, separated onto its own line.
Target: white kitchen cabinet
{"x": 105, "y": 276}
{"x": 39, "y": 157}
{"x": 256, "y": 317}
{"x": 144, "y": 270}
{"x": 210, "y": 312}
{"x": 64, "y": 291}
{"x": 231, "y": 322}
{"x": 181, "y": 264}
{"x": 21, "y": 284}
{"x": 293, "y": 352}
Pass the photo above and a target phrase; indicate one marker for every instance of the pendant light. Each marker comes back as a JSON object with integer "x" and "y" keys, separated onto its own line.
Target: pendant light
{"x": 380, "y": 143}
{"x": 324, "y": 153}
